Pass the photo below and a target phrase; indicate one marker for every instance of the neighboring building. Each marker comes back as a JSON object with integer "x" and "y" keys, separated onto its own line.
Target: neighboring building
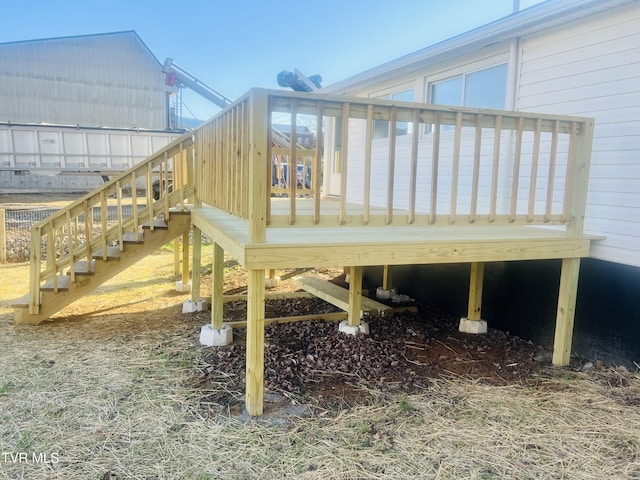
{"x": 82, "y": 104}
{"x": 108, "y": 80}
{"x": 574, "y": 57}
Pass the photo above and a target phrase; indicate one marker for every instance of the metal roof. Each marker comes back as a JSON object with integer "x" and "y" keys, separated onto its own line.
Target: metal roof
{"x": 535, "y": 19}
{"x": 80, "y": 37}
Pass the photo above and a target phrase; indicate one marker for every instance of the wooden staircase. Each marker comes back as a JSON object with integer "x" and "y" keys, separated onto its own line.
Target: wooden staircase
{"x": 72, "y": 254}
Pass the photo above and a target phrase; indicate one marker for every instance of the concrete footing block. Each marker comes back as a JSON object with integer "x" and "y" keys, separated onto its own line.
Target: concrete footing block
{"x": 344, "y": 327}
{"x": 272, "y": 282}
{"x": 216, "y": 338}
{"x": 472, "y": 326}
{"x": 189, "y": 306}
{"x": 183, "y": 287}
{"x": 385, "y": 294}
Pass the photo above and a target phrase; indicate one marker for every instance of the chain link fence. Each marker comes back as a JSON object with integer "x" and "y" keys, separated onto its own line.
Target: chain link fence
{"x": 15, "y": 242}
{"x": 15, "y": 237}
{"x": 16, "y": 224}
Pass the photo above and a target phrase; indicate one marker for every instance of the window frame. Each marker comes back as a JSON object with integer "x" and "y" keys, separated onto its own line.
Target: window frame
{"x": 464, "y": 73}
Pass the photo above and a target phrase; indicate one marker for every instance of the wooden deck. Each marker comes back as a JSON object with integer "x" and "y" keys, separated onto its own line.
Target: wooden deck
{"x": 461, "y": 185}
{"x": 322, "y": 246}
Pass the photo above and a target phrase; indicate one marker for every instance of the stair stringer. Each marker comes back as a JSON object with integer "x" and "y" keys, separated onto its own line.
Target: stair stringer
{"x": 51, "y": 303}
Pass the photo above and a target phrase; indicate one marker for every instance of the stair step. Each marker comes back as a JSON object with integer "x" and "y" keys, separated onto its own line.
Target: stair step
{"x": 23, "y": 301}
{"x": 113, "y": 253}
{"x": 63, "y": 284}
{"x": 158, "y": 223}
{"x": 130, "y": 238}
{"x": 82, "y": 267}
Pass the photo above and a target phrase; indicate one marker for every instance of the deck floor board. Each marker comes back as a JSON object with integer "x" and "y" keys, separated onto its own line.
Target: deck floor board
{"x": 317, "y": 246}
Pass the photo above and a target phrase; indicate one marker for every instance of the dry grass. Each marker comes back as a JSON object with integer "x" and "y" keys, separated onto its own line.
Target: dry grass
{"x": 108, "y": 388}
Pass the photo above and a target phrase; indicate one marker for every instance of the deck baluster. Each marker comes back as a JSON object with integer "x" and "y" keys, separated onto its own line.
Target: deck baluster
{"x": 36, "y": 269}
{"x": 134, "y": 205}
{"x": 104, "y": 211}
{"x": 366, "y": 201}
{"x": 71, "y": 242}
{"x": 317, "y": 162}
{"x": 455, "y": 171}
{"x": 435, "y": 157}
{"x": 476, "y": 169}
{"x": 497, "y": 142}
{"x": 88, "y": 234}
{"x": 344, "y": 163}
{"x": 119, "y": 214}
{"x": 415, "y": 137}
{"x": 51, "y": 258}
{"x": 553, "y": 156}
{"x": 516, "y": 170}
{"x": 292, "y": 165}
{"x": 534, "y": 170}
{"x": 393, "y": 115}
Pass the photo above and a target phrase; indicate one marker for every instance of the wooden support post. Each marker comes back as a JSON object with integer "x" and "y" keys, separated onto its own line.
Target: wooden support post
{"x": 255, "y": 343}
{"x": 185, "y": 258}
{"x": 259, "y": 166}
{"x": 217, "y": 287}
{"x": 355, "y": 296}
{"x": 475, "y": 291}
{"x": 272, "y": 279}
{"x": 197, "y": 263}
{"x": 3, "y": 237}
{"x": 473, "y": 322}
{"x": 387, "y": 278}
{"x": 566, "y": 311}
{"x": 176, "y": 256}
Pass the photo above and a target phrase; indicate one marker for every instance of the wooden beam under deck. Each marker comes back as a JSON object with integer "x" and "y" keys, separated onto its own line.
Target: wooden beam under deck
{"x": 338, "y": 296}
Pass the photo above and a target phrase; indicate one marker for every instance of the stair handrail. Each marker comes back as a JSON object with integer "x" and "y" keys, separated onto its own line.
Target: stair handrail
{"x": 172, "y": 166}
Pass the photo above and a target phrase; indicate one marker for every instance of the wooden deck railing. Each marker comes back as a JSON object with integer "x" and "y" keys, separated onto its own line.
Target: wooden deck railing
{"x": 78, "y": 231}
{"x": 398, "y": 164}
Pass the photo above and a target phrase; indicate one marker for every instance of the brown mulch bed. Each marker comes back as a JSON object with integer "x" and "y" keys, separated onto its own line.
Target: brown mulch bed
{"x": 313, "y": 363}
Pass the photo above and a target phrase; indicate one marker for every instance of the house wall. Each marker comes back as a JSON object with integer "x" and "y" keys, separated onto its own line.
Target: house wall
{"x": 587, "y": 68}
{"x": 593, "y": 69}
{"x": 109, "y": 80}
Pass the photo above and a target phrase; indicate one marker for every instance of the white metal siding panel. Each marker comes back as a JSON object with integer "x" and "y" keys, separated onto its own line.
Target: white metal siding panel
{"x": 592, "y": 68}
{"x": 103, "y": 80}
{"x": 74, "y": 149}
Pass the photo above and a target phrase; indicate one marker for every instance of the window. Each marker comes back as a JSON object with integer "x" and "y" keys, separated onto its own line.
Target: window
{"x": 381, "y": 127}
{"x": 483, "y": 89}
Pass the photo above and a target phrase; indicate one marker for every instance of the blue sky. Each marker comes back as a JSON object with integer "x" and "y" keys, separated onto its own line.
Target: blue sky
{"x": 233, "y": 45}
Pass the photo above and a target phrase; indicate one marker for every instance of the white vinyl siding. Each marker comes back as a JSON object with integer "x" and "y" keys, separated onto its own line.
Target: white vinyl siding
{"x": 593, "y": 69}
